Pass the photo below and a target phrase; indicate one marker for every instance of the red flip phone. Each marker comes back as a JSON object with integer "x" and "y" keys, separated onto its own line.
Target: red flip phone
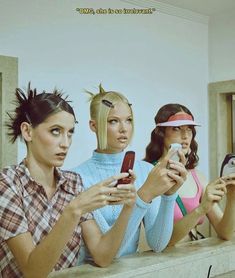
{"x": 127, "y": 163}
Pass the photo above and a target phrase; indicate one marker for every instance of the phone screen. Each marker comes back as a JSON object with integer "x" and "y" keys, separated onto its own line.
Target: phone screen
{"x": 228, "y": 165}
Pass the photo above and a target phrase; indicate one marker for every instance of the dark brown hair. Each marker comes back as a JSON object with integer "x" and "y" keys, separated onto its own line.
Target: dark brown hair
{"x": 34, "y": 108}
{"x": 154, "y": 149}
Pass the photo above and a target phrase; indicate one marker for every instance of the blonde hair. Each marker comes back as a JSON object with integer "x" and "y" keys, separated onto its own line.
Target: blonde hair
{"x": 100, "y": 105}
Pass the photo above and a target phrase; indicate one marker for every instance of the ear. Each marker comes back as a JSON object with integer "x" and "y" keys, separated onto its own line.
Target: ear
{"x": 92, "y": 125}
{"x": 26, "y": 131}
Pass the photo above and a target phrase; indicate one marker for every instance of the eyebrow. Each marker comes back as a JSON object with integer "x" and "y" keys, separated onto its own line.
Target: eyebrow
{"x": 60, "y": 126}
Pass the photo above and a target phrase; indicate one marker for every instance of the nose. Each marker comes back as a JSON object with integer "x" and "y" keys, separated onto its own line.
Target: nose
{"x": 184, "y": 133}
{"x": 123, "y": 127}
{"x": 65, "y": 141}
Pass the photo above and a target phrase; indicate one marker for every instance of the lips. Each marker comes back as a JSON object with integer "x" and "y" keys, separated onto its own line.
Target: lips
{"x": 123, "y": 139}
{"x": 185, "y": 145}
{"x": 61, "y": 155}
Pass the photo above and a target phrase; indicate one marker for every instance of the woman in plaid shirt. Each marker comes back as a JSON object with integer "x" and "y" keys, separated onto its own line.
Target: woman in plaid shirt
{"x": 44, "y": 211}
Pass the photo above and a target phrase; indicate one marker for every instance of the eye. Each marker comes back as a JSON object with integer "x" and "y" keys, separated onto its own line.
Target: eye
{"x": 190, "y": 131}
{"x": 112, "y": 121}
{"x": 71, "y": 132}
{"x": 55, "y": 131}
{"x": 130, "y": 120}
{"x": 176, "y": 128}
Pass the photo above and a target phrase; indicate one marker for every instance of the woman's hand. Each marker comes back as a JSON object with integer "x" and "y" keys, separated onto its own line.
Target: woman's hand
{"x": 178, "y": 173}
{"x": 164, "y": 178}
{"x": 230, "y": 185}
{"x": 213, "y": 194}
{"x": 126, "y": 192}
{"x": 104, "y": 193}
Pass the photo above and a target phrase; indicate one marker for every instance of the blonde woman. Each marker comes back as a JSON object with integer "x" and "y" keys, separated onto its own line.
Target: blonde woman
{"x": 111, "y": 119}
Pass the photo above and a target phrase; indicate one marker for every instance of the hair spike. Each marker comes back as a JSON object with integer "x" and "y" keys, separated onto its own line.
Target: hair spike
{"x": 34, "y": 108}
{"x": 101, "y": 89}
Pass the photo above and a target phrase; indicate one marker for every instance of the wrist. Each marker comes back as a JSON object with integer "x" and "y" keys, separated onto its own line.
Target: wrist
{"x": 144, "y": 195}
{"x": 200, "y": 211}
{"x": 128, "y": 207}
{"x": 170, "y": 197}
{"x": 72, "y": 212}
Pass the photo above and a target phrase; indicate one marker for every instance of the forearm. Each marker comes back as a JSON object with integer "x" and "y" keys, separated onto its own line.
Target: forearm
{"x": 226, "y": 227}
{"x": 185, "y": 225}
{"x": 45, "y": 255}
{"x": 129, "y": 243}
{"x": 101, "y": 221}
{"x": 110, "y": 242}
{"x": 159, "y": 232}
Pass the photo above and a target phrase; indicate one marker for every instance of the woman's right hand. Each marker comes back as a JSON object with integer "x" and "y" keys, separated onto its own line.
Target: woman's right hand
{"x": 162, "y": 179}
{"x": 102, "y": 194}
{"x": 213, "y": 194}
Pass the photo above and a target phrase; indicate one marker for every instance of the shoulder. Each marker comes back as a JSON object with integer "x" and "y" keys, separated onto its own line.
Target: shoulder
{"x": 86, "y": 172}
{"x": 10, "y": 182}
{"x": 73, "y": 180}
{"x": 83, "y": 167}
{"x": 70, "y": 174}
{"x": 141, "y": 165}
{"x": 9, "y": 174}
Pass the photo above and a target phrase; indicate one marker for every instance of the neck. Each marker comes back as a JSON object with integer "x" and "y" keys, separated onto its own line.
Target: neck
{"x": 41, "y": 173}
{"x": 108, "y": 151}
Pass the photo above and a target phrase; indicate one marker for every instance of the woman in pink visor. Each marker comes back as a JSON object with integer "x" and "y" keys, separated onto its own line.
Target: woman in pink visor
{"x": 175, "y": 124}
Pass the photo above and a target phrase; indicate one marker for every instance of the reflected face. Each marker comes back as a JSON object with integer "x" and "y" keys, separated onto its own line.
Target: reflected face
{"x": 178, "y": 134}
{"x": 51, "y": 139}
{"x": 119, "y": 127}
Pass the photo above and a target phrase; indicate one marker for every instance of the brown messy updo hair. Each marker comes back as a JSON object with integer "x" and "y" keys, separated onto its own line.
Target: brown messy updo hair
{"x": 34, "y": 108}
{"x": 154, "y": 149}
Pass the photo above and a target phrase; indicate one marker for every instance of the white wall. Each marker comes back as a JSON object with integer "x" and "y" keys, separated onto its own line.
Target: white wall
{"x": 222, "y": 47}
{"x": 152, "y": 59}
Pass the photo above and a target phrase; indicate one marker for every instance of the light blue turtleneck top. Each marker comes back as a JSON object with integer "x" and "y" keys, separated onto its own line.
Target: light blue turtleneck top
{"x": 157, "y": 216}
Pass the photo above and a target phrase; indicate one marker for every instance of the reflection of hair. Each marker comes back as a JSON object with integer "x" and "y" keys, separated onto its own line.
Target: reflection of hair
{"x": 35, "y": 108}
{"x": 100, "y": 105}
{"x": 155, "y": 148}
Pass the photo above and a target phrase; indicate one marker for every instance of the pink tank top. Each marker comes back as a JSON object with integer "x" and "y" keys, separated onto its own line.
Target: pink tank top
{"x": 190, "y": 203}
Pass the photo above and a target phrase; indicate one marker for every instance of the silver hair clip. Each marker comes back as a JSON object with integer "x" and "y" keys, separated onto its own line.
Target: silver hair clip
{"x": 107, "y": 103}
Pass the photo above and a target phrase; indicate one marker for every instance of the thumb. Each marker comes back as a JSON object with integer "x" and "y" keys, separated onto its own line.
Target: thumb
{"x": 112, "y": 181}
{"x": 165, "y": 159}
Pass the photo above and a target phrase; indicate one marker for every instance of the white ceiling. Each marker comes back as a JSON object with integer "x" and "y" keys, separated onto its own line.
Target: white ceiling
{"x": 205, "y": 7}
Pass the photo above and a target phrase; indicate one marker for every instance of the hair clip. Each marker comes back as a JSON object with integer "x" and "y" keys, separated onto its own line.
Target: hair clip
{"x": 107, "y": 103}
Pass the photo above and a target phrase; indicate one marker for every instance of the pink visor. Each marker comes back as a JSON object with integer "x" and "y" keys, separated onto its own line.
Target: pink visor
{"x": 178, "y": 120}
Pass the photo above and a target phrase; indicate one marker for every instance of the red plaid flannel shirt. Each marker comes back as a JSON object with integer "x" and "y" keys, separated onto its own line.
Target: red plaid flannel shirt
{"x": 24, "y": 207}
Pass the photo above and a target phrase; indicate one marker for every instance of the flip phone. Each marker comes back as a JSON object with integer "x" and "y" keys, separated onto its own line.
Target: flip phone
{"x": 228, "y": 165}
{"x": 127, "y": 163}
{"x": 175, "y": 146}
